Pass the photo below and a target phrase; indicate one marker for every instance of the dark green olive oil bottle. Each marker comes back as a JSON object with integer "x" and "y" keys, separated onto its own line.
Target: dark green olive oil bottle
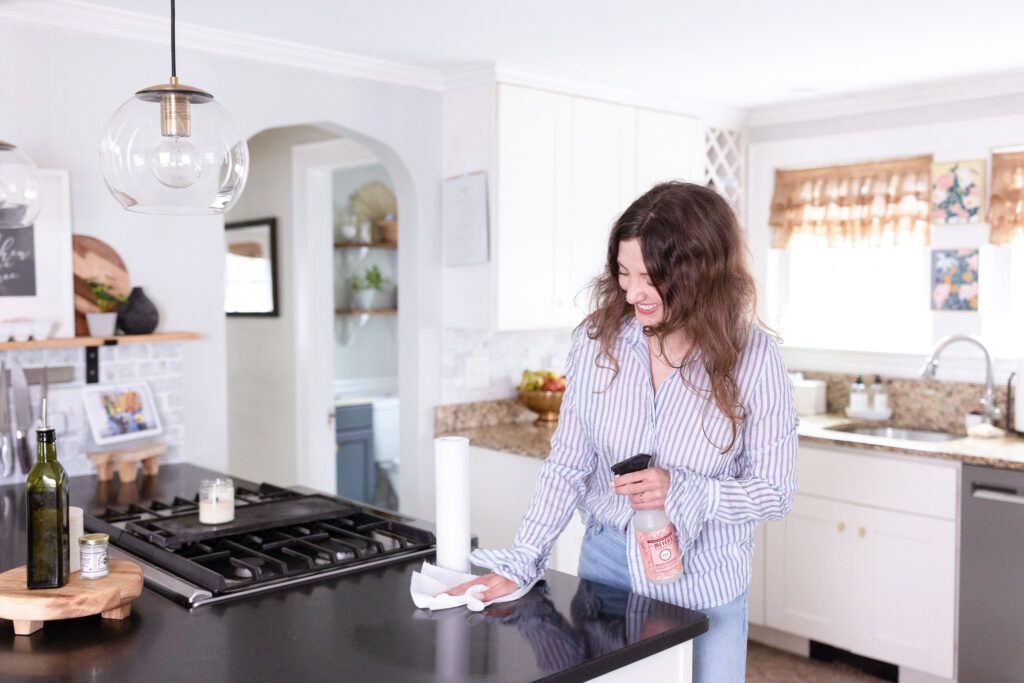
{"x": 48, "y": 539}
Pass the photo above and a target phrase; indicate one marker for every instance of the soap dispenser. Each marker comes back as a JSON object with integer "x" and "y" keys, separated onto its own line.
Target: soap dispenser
{"x": 879, "y": 399}
{"x": 858, "y": 395}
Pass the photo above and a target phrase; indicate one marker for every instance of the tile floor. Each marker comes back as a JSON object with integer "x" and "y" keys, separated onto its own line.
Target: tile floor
{"x": 768, "y": 665}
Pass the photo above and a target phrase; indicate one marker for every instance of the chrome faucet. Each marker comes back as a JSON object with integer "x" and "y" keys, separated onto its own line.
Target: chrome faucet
{"x": 988, "y": 402}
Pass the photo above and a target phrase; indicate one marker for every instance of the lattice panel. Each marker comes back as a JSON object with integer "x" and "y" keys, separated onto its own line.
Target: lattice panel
{"x": 726, "y": 162}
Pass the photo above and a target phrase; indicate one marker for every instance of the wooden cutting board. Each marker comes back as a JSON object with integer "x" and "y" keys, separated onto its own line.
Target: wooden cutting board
{"x": 111, "y": 597}
{"x": 95, "y": 260}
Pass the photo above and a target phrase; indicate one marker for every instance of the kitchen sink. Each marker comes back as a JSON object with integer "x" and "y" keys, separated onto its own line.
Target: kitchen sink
{"x": 896, "y": 433}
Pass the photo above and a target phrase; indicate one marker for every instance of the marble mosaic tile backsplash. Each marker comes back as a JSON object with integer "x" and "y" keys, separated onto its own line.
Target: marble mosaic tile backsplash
{"x": 916, "y": 403}
{"x": 485, "y": 366}
{"x": 160, "y": 364}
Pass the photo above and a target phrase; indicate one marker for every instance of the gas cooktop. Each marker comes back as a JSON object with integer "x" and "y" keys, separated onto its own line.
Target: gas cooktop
{"x": 279, "y": 537}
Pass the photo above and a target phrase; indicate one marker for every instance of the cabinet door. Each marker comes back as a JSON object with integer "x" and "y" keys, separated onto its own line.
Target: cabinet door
{"x": 355, "y": 464}
{"x": 755, "y": 602}
{"x": 668, "y": 147}
{"x": 532, "y": 239}
{"x": 905, "y": 590}
{"x": 500, "y": 489}
{"x": 808, "y": 571}
{"x": 602, "y": 181}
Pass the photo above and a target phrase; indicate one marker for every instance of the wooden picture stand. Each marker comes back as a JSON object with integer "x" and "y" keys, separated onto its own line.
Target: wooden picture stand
{"x": 127, "y": 462}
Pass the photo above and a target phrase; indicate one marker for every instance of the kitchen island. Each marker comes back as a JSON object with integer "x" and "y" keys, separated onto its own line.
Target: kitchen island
{"x": 362, "y": 626}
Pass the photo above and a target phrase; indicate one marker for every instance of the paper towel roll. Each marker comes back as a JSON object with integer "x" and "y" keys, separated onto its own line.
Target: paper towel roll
{"x": 451, "y": 493}
{"x": 75, "y": 529}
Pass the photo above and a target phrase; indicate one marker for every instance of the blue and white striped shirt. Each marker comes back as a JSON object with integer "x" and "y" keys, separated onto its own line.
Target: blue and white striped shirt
{"x": 714, "y": 499}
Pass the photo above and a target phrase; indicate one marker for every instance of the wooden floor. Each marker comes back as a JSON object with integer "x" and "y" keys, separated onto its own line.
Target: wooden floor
{"x": 768, "y": 665}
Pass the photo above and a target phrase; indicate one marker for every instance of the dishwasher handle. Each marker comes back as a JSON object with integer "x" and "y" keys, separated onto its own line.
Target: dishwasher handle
{"x": 996, "y": 494}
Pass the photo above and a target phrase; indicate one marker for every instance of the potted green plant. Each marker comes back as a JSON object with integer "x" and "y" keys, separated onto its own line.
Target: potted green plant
{"x": 104, "y": 323}
{"x": 367, "y": 288}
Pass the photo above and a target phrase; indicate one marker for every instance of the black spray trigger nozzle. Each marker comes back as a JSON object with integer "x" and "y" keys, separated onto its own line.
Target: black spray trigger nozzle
{"x": 638, "y": 462}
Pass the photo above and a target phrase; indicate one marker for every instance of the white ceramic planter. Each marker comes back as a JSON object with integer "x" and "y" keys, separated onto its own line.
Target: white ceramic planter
{"x": 101, "y": 324}
{"x": 364, "y": 300}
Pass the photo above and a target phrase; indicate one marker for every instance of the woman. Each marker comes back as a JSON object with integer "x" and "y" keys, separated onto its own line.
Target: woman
{"x": 671, "y": 363}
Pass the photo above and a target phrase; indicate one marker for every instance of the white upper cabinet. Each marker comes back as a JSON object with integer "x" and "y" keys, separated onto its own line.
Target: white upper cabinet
{"x": 561, "y": 169}
{"x": 668, "y": 147}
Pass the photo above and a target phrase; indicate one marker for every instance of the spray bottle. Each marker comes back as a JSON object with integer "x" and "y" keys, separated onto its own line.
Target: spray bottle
{"x": 655, "y": 534}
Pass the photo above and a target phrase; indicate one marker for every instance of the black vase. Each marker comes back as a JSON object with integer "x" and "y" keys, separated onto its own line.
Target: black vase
{"x": 137, "y": 314}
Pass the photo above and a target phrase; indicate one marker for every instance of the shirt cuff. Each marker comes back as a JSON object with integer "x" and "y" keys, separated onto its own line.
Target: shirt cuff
{"x": 518, "y": 564}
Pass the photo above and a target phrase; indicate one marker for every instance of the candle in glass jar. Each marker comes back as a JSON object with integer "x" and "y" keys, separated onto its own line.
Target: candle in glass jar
{"x": 216, "y": 501}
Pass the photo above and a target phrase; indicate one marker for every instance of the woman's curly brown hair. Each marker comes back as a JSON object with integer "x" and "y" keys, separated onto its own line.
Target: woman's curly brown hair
{"x": 695, "y": 254}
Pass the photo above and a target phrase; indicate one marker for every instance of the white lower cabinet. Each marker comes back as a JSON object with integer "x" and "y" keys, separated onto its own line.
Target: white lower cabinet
{"x": 501, "y": 488}
{"x": 877, "y": 582}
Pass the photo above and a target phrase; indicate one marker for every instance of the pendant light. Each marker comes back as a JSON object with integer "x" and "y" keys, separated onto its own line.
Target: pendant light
{"x": 19, "y": 188}
{"x": 171, "y": 149}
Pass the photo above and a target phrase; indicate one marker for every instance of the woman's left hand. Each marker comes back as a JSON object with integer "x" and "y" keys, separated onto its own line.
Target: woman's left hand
{"x": 647, "y": 489}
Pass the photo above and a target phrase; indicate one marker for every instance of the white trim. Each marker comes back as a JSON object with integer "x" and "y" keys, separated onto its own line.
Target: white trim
{"x": 881, "y": 99}
{"x": 76, "y": 16}
{"x": 952, "y": 368}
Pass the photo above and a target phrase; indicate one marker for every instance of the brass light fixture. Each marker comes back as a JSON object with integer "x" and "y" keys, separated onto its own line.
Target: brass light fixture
{"x": 171, "y": 149}
{"x": 19, "y": 188}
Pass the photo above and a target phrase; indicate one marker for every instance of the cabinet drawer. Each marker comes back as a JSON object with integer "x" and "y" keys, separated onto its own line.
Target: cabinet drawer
{"x": 904, "y": 483}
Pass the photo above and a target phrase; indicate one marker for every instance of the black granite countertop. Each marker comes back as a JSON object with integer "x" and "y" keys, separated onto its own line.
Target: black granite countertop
{"x": 356, "y": 627}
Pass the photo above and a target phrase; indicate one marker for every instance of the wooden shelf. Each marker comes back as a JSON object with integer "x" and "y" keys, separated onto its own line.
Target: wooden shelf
{"x": 373, "y": 245}
{"x": 100, "y": 341}
{"x": 369, "y": 311}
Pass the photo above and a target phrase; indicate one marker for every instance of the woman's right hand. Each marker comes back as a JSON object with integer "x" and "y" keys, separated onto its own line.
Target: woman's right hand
{"x": 497, "y": 586}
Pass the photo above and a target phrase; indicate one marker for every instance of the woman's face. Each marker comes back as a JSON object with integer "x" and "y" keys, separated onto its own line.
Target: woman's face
{"x": 633, "y": 279}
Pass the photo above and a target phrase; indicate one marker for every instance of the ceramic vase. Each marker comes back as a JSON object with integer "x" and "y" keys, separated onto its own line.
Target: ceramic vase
{"x": 101, "y": 324}
{"x": 137, "y": 315}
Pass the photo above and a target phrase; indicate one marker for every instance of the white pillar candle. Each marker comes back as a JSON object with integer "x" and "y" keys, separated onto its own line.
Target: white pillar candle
{"x": 451, "y": 493}
{"x": 75, "y": 529}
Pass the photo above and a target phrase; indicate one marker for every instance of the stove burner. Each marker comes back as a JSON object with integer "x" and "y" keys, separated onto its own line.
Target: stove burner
{"x": 278, "y": 537}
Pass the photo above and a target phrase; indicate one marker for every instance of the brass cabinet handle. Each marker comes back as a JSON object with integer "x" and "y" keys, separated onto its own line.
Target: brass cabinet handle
{"x": 842, "y": 526}
{"x": 862, "y": 532}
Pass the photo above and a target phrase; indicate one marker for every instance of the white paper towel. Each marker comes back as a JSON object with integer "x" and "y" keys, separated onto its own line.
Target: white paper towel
{"x": 75, "y": 529}
{"x": 451, "y": 493}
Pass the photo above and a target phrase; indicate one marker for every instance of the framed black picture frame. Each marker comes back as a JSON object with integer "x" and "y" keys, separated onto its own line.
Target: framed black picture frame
{"x": 250, "y": 267}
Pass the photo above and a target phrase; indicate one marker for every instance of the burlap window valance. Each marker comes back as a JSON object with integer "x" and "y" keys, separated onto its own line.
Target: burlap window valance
{"x": 873, "y": 204}
{"x": 1006, "y": 206}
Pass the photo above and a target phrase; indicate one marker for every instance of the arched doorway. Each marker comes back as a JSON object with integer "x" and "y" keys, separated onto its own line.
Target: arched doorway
{"x": 286, "y": 399}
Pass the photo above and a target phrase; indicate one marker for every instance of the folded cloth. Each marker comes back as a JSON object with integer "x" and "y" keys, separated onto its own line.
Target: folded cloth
{"x": 429, "y": 585}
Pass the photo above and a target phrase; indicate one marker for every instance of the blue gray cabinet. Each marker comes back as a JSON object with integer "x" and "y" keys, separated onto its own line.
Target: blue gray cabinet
{"x": 355, "y": 461}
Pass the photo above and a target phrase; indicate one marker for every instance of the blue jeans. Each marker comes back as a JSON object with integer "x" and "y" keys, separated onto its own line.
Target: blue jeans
{"x": 720, "y": 655}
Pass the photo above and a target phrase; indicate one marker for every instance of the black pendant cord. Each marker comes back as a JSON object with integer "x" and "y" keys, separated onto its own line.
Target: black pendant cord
{"x": 174, "y": 64}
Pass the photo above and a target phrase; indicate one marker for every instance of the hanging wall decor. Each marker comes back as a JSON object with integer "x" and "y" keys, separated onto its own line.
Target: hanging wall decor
{"x": 958, "y": 191}
{"x": 171, "y": 149}
{"x": 954, "y": 284}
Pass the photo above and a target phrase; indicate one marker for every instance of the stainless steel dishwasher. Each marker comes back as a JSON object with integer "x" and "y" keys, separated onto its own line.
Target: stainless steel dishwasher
{"x": 991, "y": 642}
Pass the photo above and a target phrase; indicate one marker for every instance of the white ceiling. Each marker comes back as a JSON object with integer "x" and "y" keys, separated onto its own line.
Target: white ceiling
{"x": 732, "y": 52}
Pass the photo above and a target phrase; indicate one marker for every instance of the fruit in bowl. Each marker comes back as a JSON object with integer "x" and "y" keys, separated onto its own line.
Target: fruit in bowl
{"x": 542, "y": 392}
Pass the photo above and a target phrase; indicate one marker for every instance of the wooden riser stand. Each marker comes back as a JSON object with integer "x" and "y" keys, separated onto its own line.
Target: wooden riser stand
{"x": 127, "y": 462}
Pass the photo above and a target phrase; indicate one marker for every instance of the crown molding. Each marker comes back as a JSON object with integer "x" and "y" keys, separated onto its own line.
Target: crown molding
{"x": 81, "y": 17}
{"x": 883, "y": 99}
{"x": 76, "y": 16}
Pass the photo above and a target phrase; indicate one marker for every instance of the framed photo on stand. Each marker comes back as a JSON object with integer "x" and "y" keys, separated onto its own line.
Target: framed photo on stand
{"x": 120, "y": 412}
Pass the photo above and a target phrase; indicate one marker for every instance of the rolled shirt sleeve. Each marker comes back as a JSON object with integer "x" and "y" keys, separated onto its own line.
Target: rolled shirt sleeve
{"x": 560, "y": 485}
{"x": 764, "y": 487}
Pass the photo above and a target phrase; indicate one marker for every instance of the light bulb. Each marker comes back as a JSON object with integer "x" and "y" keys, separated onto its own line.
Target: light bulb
{"x": 176, "y": 163}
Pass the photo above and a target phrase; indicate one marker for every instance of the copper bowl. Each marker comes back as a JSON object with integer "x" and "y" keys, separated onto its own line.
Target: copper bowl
{"x": 545, "y": 403}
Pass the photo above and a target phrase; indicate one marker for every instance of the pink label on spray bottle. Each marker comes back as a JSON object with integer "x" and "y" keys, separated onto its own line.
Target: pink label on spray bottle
{"x": 660, "y": 553}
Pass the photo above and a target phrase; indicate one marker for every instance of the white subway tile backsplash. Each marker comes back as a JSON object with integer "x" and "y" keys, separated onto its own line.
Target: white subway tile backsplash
{"x": 159, "y": 364}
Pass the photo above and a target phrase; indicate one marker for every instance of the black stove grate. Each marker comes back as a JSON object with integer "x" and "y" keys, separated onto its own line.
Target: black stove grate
{"x": 277, "y": 536}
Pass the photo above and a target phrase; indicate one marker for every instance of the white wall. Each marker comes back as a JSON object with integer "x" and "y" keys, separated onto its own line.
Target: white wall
{"x": 884, "y": 136}
{"x": 60, "y": 88}
{"x": 261, "y": 376}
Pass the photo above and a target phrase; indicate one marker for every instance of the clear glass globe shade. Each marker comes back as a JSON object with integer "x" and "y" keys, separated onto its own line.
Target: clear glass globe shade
{"x": 176, "y": 163}
{"x": 143, "y": 179}
{"x": 19, "y": 188}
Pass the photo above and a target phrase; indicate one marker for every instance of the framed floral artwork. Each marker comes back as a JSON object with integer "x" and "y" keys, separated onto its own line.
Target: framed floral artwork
{"x": 958, "y": 191}
{"x": 954, "y": 279}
